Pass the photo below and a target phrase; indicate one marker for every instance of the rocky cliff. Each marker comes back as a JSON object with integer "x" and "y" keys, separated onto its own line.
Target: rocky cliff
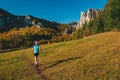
{"x": 8, "y": 21}
{"x": 88, "y": 16}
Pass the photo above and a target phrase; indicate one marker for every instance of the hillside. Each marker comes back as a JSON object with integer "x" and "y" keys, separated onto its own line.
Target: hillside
{"x": 92, "y": 58}
{"x": 9, "y": 21}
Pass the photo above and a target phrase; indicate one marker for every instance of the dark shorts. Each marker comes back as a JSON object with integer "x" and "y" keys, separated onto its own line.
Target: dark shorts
{"x": 36, "y": 54}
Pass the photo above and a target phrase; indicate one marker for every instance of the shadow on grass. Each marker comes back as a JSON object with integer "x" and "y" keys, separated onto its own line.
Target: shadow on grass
{"x": 52, "y": 64}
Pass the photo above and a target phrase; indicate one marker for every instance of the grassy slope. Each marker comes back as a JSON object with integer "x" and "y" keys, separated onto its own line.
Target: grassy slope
{"x": 92, "y": 58}
{"x": 14, "y": 67}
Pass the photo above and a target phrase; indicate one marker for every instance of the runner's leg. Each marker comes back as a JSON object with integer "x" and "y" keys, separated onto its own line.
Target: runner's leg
{"x": 35, "y": 57}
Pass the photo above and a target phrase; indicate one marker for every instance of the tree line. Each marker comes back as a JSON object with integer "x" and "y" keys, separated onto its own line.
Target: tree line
{"x": 24, "y": 37}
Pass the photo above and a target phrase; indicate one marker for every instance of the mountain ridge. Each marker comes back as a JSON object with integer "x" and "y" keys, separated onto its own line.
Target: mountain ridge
{"x": 8, "y": 21}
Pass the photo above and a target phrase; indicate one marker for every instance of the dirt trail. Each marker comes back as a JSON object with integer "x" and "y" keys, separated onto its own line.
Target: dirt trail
{"x": 39, "y": 70}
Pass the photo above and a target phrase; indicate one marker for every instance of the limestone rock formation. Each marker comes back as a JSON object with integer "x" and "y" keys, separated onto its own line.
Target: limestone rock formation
{"x": 88, "y": 16}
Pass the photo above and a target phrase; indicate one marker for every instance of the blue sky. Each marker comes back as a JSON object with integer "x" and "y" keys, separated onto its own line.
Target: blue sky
{"x": 62, "y": 11}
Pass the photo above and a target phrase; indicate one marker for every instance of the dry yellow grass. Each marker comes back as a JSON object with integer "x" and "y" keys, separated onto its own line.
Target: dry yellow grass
{"x": 92, "y": 58}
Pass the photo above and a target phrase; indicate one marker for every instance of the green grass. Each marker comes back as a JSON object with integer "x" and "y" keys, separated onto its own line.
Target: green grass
{"x": 92, "y": 58}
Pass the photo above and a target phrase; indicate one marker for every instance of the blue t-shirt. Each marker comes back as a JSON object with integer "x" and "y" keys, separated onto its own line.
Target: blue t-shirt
{"x": 36, "y": 49}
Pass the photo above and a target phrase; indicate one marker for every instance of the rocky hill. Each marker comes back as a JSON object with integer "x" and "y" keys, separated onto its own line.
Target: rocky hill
{"x": 8, "y": 21}
{"x": 88, "y": 16}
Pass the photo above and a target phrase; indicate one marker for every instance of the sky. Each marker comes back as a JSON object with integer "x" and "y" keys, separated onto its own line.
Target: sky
{"x": 62, "y": 11}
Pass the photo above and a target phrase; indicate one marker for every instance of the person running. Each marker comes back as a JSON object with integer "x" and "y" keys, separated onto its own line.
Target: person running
{"x": 36, "y": 50}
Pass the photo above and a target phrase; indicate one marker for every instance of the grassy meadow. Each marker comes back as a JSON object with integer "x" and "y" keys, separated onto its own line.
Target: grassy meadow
{"x": 91, "y": 58}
